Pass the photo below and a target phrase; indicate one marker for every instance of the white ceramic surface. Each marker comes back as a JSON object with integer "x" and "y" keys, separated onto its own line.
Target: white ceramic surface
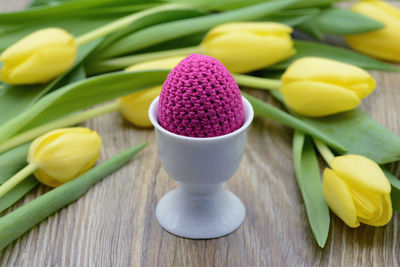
{"x": 200, "y": 207}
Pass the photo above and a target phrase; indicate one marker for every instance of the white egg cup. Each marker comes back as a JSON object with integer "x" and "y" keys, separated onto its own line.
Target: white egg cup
{"x": 200, "y": 207}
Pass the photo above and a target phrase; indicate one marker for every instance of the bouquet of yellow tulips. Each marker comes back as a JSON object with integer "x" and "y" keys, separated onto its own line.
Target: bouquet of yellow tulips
{"x": 53, "y": 76}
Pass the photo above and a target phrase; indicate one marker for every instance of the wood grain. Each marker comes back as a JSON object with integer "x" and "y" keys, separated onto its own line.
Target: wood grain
{"x": 114, "y": 223}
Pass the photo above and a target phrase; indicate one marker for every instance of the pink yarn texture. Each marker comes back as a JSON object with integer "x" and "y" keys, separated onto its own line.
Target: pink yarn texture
{"x": 200, "y": 98}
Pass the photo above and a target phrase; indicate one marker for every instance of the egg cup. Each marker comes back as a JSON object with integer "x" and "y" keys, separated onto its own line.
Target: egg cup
{"x": 200, "y": 208}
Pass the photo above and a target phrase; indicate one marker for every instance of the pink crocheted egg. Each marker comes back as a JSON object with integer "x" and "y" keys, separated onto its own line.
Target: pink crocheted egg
{"x": 200, "y": 98}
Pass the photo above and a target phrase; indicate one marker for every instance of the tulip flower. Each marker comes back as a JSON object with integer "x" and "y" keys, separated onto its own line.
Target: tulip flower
{"x": 383, "y": 43}
{"x": 240, "y": 46}
{"x": 357, "y": 191}
{"x": 318, "y": 87}
{"x": 134, "y": 107}
{"x": 248, "y": 46}
{"x": 58, "y": 157}
{"x": 47, "y": 53}
{"x": 39, "y": 57}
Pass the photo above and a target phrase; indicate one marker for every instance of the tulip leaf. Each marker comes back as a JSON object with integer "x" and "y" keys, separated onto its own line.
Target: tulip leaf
{"x": 14, "y": 224}
{"x": 312, "y": 49}
{"x": 175, "y": 29}
{"x": 168, "y": 14}
{"x": 80, "y": 95}
{"x": 309, "y": 181}
{"x": 293, "y": 17}
{"x": 342, "y": 21}
{"x": 357, "y": 132}
{"x": 14, "y": 99}
{"x": 59, "y": 9}
{"x": 268, "y": 111}
{"x": 395, "y": 192}
{"x": 17, "y": 192}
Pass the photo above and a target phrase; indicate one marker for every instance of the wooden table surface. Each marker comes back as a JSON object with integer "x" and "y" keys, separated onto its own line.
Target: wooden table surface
{"x": 114, "y": 223}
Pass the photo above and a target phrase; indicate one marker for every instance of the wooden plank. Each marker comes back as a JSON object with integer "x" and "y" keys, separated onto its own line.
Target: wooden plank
{"x": 114, "y": 223}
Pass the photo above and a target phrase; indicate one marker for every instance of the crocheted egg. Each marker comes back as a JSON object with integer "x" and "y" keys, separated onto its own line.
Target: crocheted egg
{"x": 200, "y": 98}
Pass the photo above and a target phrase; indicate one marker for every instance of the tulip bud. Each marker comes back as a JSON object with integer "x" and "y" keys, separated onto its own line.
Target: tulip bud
{"x": 318, "y": 87}
{"x": 64, "y": 154}
{"x": 134, "y": 107}
{"x": 383, "y": 43}
{"x": 247, "y": 46}
{"x": 357, "y": 191}
{"x": 39, "y": 57}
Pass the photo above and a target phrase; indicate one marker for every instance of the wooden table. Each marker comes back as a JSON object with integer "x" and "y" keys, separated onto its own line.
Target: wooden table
{"x": 114, "y": 223}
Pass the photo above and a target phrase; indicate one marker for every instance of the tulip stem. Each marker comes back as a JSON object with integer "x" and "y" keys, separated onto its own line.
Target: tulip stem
{"x": 123, "y": 62}
{"x": 120, "y": 24}
{"x": 324, "y": 150}
{"x": 257, "y": 82}
{"x": 60, "y": 123}
{"x": 18, "y": 177}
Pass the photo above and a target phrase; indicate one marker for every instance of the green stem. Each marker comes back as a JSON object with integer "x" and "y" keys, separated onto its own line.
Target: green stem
{"x": 123, "y": 62}
{"x": 17, "y": 178}
{"x": 257, "y": 82}
{"x": 324, "y": 150}
{"x": 60, "y": 123}
{"x": 119, "y": 24}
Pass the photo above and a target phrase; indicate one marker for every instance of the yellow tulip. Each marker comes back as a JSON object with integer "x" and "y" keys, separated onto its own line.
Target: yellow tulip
{"x": 134, "y": 107}
{"x": 318, "y": 87}
{"x": 63, "y": 154}
{"x": 357, "y": 191}
{"x": 39, "y": 57}
{"x": 247, "y": 46}
{"x": 383, "y": 43}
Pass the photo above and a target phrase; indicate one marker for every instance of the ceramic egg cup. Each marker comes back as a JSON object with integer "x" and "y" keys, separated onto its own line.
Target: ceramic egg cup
{"x": 200, "y": 207}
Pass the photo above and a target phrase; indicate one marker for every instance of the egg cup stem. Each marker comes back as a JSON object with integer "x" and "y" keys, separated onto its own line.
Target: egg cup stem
{"x": 18, "y": 177}
{"x": 324, "y": 150}
{"x": 257, "y": 82}
{"x": 60, "y": 123}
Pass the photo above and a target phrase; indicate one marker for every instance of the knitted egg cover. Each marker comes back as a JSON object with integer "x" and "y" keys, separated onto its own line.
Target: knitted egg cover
{"x": 200, "y": 98}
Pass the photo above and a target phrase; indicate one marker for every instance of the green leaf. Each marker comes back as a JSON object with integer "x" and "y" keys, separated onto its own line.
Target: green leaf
{"x": 168, "y": 14}
{"x": 17, "y": 192}
{"x": 13, "y": 161}
{"x": 64, "y": 9}
{"x": 80, "y": 95}
{"x": 311, "y": 49}
{"x": 14, "y": 99}
{"x": 343, "y": 21}
{"x": 224, "y": 5}
{"x": 14, "y": 224}
{"x": 395, "y": 193}
{"x": 309, "y": 181}
{"x": 266, "y": 110}
{"x": 293, "y": 17}
{"x": 357, "y": 132}
{"x": 172, "y": 30}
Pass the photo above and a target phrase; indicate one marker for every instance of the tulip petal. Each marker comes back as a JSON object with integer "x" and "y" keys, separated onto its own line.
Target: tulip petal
{"x": 314, "y": 99}
{"x": 368, "y": 205}
{"x": 331, "y": 72}
{"x": 382, "y": 43}
{"x": 261, "y": 28}
{"x": 44, "y": 65}
{"x": 165, "y": 63}
{"x": 244, "y": 47}
{"x": 361, "y": 173}
{"x": 386, "y": 215}
{"x": 339, "y": 198}
{"x": 64, "y": 154}
{"x": 135, "y": 107}
{"x": 35, "y": 41}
